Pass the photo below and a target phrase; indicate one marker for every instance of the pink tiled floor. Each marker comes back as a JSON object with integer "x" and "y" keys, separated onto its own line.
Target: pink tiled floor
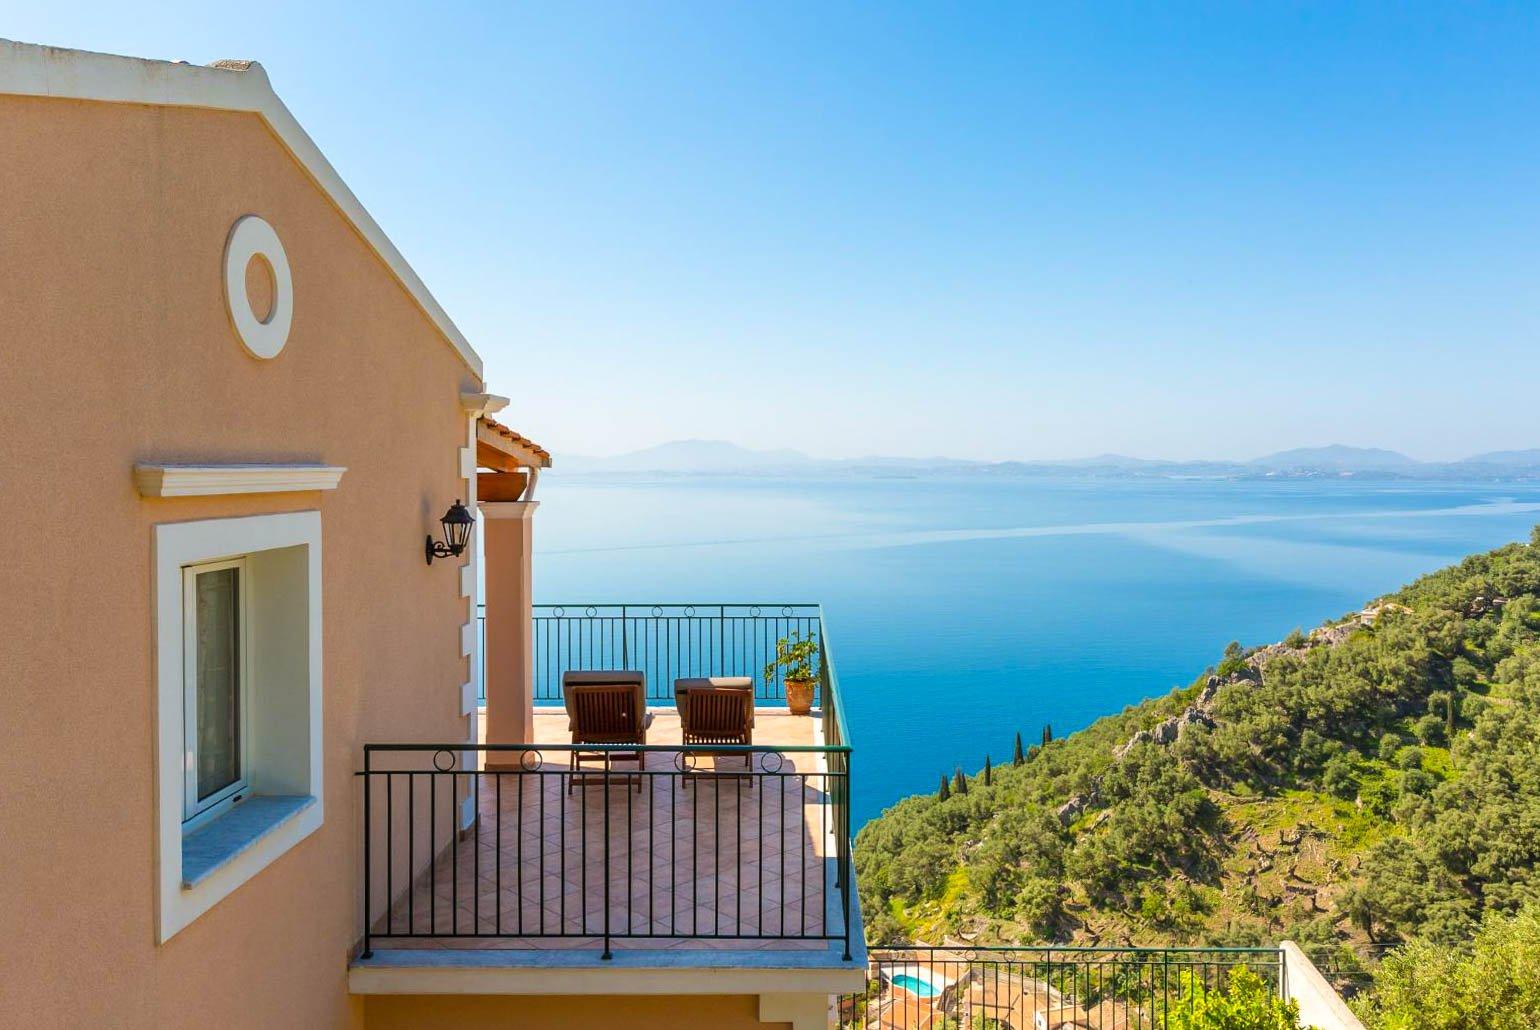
{"x": 727, "y": 858}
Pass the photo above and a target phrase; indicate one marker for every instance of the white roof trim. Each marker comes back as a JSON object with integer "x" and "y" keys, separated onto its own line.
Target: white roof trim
{"x": 28, "y": 69}
{"x": 210, "y": 480}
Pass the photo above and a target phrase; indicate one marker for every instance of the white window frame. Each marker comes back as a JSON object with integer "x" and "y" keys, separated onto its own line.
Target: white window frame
{"x": 195, "y": 812}
{"x": 177, "y": 546}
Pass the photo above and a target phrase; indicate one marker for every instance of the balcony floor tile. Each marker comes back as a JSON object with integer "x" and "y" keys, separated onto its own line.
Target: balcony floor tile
{"x": 707, "y": 856}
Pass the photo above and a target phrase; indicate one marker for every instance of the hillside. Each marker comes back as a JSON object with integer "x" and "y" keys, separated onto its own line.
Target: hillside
{"x": 1336, "y": 458}
{"x": 1376, "y": 779}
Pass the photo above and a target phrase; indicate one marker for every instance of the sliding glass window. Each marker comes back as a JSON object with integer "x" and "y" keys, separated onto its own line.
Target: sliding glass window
{"x": 214, "y": 668}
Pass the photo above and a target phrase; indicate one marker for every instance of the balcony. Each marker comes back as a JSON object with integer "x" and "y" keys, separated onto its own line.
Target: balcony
{"x": 737, "y": 857}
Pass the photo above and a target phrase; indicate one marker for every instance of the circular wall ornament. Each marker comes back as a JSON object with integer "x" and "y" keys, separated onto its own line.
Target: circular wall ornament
{"x": 252, "y": 238}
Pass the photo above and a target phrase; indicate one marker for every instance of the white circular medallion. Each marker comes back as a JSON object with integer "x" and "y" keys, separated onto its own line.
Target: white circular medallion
{"x": 250, "y": 238}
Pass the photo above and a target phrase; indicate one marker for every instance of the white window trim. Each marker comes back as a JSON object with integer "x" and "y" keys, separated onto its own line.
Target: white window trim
{"x": 219, "y": 480}
{"x": 195, "y": 812}
{"x": 188, "y": 543}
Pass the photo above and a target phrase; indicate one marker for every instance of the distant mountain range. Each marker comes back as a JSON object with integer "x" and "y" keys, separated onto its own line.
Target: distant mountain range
{"x": 1336, "y": 458}
{"x": 719, "y": 457}
{"x": 690, "y": 456}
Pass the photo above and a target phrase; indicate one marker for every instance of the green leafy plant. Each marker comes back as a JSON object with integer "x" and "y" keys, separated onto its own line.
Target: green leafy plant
{"x": 1494, "y": 983}
{"x": 1246, "y": 1002}
{"x": 796, "y": 656}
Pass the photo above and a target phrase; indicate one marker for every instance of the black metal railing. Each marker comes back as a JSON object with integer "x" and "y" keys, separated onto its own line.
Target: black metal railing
{"x": 665, "y": 641}
{"x": 758, "y": 849}
{"x": 712, "y": 842}
{"x": 1021, "y": 988}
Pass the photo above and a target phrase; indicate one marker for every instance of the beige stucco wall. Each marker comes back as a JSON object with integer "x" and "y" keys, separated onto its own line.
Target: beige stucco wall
{"x": 115, "y": 348}
{"x": 660, "y": 1012}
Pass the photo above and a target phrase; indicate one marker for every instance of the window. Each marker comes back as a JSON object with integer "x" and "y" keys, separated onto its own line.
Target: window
{"x": 238, "y": 624}
{"x": 214, "y": 655}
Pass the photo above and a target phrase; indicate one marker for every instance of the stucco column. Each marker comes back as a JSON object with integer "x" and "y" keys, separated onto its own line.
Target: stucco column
{"x": 507, "y": 552}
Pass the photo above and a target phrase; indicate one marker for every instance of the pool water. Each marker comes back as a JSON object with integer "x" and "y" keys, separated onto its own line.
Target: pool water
{"x": 916, "y": 985}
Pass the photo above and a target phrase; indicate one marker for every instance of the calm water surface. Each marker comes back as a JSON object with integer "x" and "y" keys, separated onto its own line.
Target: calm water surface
{"x": 963, "y": 609}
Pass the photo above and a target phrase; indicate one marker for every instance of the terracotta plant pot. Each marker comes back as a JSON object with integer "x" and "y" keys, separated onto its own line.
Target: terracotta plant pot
{"x": 799, "y": 696}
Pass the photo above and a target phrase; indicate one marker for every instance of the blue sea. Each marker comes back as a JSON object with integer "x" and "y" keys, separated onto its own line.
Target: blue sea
{"x": 963, "y": 609}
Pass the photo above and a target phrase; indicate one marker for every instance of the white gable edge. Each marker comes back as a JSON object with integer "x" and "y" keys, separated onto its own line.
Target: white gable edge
{"x": 28, "y": 69}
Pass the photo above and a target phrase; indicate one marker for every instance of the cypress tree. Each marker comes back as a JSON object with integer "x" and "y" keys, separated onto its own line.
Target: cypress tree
{"x": 959, "y": 781}
{"x": 987, "y": 778}
{"x": 1047, "y": 733}
{"x": 946, "y": 788}
{"x": 1017, "y": 757}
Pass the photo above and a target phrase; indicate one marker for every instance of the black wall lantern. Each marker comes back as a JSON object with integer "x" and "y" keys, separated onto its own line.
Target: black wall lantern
{"x": 457, "y": 533}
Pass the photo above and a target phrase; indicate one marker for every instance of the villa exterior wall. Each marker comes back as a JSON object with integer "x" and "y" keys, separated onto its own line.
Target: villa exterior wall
{"x": 116, "y": 348}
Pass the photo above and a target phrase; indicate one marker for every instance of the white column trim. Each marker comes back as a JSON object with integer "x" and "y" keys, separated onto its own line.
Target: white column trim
{"x": 470, "y": 642}
{"x": 478, "y": 404}
{"x": 508, "y": 509}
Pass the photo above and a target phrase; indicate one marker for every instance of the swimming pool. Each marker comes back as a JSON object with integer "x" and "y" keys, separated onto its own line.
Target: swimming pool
{"x": 916, "y": 984}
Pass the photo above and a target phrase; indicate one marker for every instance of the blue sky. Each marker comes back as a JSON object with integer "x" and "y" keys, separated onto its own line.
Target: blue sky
{"x": 1000, "y": 231}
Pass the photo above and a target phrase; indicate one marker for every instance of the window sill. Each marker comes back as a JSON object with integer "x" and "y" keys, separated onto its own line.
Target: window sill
{"x": 211, "y": 847}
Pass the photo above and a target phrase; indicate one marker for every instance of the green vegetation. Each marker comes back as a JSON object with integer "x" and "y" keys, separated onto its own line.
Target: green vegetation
{"x": 1494, "y": 984}
{"x": 1373, "y": 782}
{"x": 1247, "y": 1002}
{"x": 796, "y": 656}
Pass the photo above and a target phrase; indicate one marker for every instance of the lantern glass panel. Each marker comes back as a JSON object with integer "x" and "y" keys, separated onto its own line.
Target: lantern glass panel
{"x": 457, "y": 523}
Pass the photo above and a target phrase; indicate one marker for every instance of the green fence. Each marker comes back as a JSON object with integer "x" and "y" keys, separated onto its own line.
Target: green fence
{"x": 1040, "y": 988}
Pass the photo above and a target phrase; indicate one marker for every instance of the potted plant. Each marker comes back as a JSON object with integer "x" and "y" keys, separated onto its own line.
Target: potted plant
{"x": 797, "y": 657}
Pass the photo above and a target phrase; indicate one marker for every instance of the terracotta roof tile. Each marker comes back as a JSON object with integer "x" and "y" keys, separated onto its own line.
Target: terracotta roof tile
{"x": 523, "y": 441}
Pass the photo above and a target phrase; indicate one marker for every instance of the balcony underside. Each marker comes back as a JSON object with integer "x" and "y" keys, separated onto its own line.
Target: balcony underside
{"x": 630, "y": 971}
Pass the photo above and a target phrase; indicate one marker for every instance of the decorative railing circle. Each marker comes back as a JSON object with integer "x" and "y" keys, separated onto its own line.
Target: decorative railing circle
{"x": 767, "y": 758}
{"x": 753, "y": 611}
{"x": 786, "y": 611}
{"x": 590, "y": 611}
{"x": 529, "y": 761}
{"x": 449, "y": 756}
{"x": 559, "y": 612}
{"x": 689, "y": 611}
{"x": 657, "y": 611}
{"x": 685, "y": 761}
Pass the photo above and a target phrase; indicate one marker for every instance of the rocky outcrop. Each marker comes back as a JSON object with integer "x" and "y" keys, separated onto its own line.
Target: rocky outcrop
{"x": 1480, "y": 606}
{"x": 1171, "y": 729}
{"x": 1077, "y": 806}
{"x": 1142, "y": 737}
{"x": 1168, "y": 731}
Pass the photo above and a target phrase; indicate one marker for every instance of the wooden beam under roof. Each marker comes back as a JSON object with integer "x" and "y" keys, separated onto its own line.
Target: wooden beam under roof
{"x": 500, "y": 448}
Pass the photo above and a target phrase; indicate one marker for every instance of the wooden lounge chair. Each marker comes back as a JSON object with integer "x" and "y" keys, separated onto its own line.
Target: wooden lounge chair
{"x": 682, "y": 687}
{"x": 719, "y": 715}
{"x": 605, "y": 708}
